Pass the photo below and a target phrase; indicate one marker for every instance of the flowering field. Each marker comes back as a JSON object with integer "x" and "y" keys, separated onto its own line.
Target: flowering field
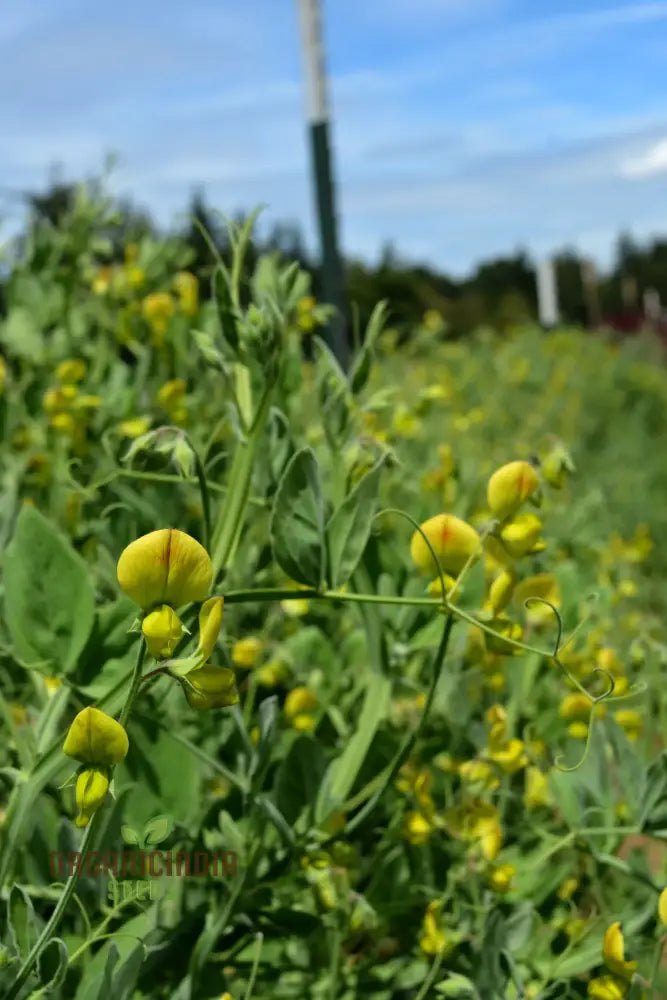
{"x": 319, "y": 684}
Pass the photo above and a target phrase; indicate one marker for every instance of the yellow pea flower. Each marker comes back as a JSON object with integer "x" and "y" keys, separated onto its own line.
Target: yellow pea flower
{"x": 417, "y": 828}
{"x": 575, "y": 706}
{"x": 135, "y": 426}
{"x": 303, "y": 722}
{"x": 299, "y": 700}
{"x": 273, "y": 674}
{"x": 60, "y": 399}
{"x": 543, "y": 585}
{"x": 511, "y": 757}
{"x": 210, "y": 622}
{"x": 607, "y": 988}
{"x": 434, "y": 940}
{"x": 64, "y": 423}
{"x": 72, "y": 370}
{"x": 500, "y": 591}
{"x": 163, "y": 631}
{"x": 166, "y": 566}
{"x": 630, "y": 720}
{"x": 662, "y": 907}
{"x": 568, "y": 888}
{"x": 3, "y": 374}
{"x": 210, "y": 687}
{"x": 453, "y": 540}
{"x": 95, "y": 738}
{"x": 187, "y": 288}
{"x": 171, "y": 394}
{"x": 479, "y": 772}
{"x": 509, "y": 487}
{"x": 157, "y": 309}
{"x": 522, "y": 535}
{"x": 500, "y": 878}
{"x": 578, "y": 730}
{"x": 92, "y": 786}
{"x": 613, "y": 952}
{"x": 246, "y": 651}
{"x": 536, "y": 791}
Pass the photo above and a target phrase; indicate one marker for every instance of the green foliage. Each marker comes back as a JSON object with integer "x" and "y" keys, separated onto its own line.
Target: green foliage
{"x": 391, "y": 795}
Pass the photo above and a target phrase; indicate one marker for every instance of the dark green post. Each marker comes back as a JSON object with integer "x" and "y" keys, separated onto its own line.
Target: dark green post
{"x": 318, "y": 124}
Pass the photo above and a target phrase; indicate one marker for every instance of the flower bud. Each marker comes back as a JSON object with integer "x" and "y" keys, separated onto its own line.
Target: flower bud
{"x": 72, "y": 370}
{"x": 210, "y": 687}
{"x": 299, "y": 700}
{"x": 210, "y": 621}
{"x": 521, "y": 536}
{"x": 162, "y": 631}
{"x": 509, "y": 487}
{"x": 91, "y": 790}
{"x": 453, "y": 540}
{"x": 662, "y": 907}
{"x": 95, "y": 738}
{"x": 165, "y": 567}
{"x": 613, "y": 952}
{"x": 245, "y": 651}
{"x": 501, "y": 590}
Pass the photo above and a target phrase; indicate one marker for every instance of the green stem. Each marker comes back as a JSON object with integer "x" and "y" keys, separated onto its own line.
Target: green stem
{"x": 409, "y": 743}
{"x": 205, "y": 498}
{"x": 57, "y": 915}
{"x": 230, "y": 520}
{"x": 289, "y": 594}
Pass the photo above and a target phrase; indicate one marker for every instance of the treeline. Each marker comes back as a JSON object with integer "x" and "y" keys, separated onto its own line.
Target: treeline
{"x": 500, "y": 292}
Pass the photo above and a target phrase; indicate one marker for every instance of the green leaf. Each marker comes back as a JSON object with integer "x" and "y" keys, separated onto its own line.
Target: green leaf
{"x": 343, "y": 771}
{"x": 21, "y": 920}
{"x": 49, "y": 599}
{"x": 362, "y": 363}
{"x": 350, "y": 525}
{"x": 20, "y": 335}
{"x": 297, "y": 521}
{"x": 299, "y": 777}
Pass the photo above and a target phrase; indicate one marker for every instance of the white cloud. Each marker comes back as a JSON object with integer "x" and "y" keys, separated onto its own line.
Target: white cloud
{"x": 649, "y": 163}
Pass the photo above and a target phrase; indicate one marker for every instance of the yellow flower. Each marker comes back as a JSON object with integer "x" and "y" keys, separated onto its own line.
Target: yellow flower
{"x": 511, "y": 757}
{"x": 417, "y": 828}
{"x": 51, "y": 684}
{"x": 273, "y": 674}
{"x": 435, "y": 587}
{"x": 476, "y": 821}
{"x": 522, "y": 535}
{"x": 135, "y": 426}
{"x": 210, "y": 687}
{"x": 171, "y": 393}
{"x": 95, "y": 738}
{"x": 434, "y": 940}
{"x": 187, "y": 288}
{"x": 166, "y": 566}
{"x": 500, "y": 878}
{"x": 157, "y": 309}
{"x": 303, "y": 722}
{"x": 479, "y": 772}
{"x": 509, "y": 487}
{"x": 63, "y": 422}
{"x": 662, "y": 907}
{"x": 210, "y": 622}
{"x": 162, "y": 630}
{"x": 613, "y": 952}
{"x": 453, "y": 540}
{"x": 543, "y": 585}
{"x": 72, "y": 370}
{"x": 102, "y": 280}
{"x": 3, "y": 374}
{"x": 59, "y": 400}
{"x": 607, "y": 988}
{"x": 578, "y": 730}
{"x": 500, "y": 591}
{"x": 575, "y": 706}
{"x": 92, "y": 786}
{"x": 87, "y": 402}
{"x": 299, "y": 700}
{"x": 536, "y": 791}
{"x": 631, "y": 721}
{"x": 609, "y": 661}
{"x": 246, "y": 651}
{"x": 568, "y": 888}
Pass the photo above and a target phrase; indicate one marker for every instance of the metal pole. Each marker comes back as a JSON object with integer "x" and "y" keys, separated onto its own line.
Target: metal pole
{"x": 318, "y": 127}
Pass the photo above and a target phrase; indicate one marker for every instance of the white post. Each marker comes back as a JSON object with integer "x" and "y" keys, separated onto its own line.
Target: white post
{"x": 547, "y": 299}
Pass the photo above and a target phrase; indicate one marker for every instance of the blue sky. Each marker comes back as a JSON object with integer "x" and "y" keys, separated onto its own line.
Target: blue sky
{"x": 462, "y": 129}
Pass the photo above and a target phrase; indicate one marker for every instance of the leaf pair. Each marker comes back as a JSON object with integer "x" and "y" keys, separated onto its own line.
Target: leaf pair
{"x": 313, "y": 549}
